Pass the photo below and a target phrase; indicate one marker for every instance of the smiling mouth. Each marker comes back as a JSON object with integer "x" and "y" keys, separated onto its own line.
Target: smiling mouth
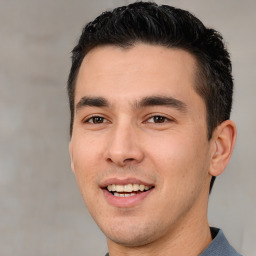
{"x": 127, "y": 190}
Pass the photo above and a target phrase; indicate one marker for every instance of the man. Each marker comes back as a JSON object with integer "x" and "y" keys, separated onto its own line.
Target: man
{"x": 150, "y": 92}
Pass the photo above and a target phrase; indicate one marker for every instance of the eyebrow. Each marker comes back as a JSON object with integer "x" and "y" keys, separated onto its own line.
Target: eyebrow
{"x": 144, "y": 102}
{"x": 161, "y": 101}
{"x": 92, "y": 102}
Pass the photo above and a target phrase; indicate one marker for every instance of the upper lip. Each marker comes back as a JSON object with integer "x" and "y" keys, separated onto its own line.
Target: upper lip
{"x": 125, "y": 181}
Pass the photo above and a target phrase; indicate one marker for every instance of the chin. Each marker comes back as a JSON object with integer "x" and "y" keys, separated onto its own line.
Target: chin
{"x": 134, "y": 240}
{"x": 131, "y": 235}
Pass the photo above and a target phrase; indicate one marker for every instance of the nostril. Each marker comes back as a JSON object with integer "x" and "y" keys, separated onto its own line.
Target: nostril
{"x": 121, "y": 162}
{"x": 129, "y": 159}
{"x": 123, "y": 156}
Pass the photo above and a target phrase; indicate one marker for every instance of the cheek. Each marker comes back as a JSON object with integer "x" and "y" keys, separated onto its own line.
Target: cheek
{"x": 180, "y": 160}
{"x": 85, "y": 150}
{"x": 84, "y": 155}
{"x": 181, "y": 165}
{"x": 170, "y": 152}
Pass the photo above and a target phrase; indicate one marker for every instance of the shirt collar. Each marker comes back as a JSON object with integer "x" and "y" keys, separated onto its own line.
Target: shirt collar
{"x": 219, "y": 245}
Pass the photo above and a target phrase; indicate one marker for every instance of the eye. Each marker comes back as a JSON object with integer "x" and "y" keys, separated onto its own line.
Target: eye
{"x": 158, "y": 119}
{"x": 95, "y": 120}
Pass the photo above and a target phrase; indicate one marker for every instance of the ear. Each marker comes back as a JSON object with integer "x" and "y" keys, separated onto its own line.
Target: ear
{"x": 224, "y": 138}
{"x": 71, "y": 156}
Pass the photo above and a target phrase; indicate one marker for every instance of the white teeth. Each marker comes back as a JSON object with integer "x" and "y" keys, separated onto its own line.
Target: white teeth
{"x": 119, "y": 188}
{"x": 127, "y": 188}
{"x": 142, "y": 187}
{"x": 136, "y": 187}
{"x": 124, "y": 195}
{"x": 119, "y": 195}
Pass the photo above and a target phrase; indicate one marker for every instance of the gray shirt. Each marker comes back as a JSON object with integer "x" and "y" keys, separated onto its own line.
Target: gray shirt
{"x": 219, "y": 245}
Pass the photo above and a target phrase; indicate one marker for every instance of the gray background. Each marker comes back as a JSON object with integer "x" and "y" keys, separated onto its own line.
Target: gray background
{"x": 41, "y": 210}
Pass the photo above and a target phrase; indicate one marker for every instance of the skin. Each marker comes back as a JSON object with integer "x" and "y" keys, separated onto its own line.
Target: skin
{"x": 171, "y": 152}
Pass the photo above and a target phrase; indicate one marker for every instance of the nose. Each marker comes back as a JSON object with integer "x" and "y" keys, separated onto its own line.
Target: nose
{"x": 123, "y": 147}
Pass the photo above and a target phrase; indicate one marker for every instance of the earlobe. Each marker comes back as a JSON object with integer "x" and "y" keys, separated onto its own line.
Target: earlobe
{"x": 71, "y": 157}
{"x": 224, "y": 140}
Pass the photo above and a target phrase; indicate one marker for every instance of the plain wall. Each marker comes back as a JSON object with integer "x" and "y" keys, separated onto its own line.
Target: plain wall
{"x": 41, "y": 210}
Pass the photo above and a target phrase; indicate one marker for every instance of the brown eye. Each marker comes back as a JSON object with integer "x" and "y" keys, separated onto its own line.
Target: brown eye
{"x": 158, "y": 119}
{"x": 96, "y": 120}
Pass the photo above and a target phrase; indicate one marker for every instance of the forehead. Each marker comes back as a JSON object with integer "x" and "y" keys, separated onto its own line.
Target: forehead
{"x": 138, "y": 71}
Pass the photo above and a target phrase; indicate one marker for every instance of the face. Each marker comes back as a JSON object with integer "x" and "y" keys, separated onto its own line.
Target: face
{"x": 139, "y": 147}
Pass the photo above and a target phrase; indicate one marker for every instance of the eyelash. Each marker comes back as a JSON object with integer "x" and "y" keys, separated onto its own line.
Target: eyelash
{"x": 91, "y": 118}
{"x": 163, "y": 119}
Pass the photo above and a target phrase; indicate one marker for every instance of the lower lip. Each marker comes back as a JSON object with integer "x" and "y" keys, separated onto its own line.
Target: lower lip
{"x": 125, "y": 202}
